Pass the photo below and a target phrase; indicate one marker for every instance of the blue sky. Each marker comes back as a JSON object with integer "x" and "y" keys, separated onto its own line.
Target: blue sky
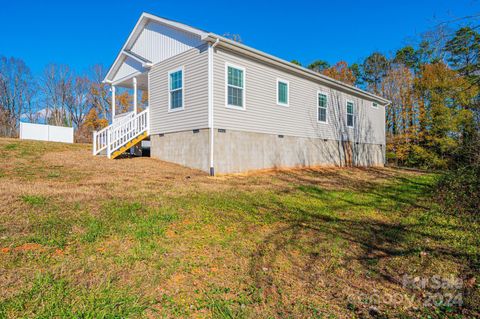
{"x": 83, "y": 33}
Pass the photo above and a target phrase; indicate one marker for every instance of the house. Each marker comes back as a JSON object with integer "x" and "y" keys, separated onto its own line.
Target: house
{"x": 220, "y": 106}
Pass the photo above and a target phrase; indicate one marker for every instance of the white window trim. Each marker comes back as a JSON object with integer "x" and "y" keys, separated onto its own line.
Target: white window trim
{"x": 316, "y": 103}
{"x": 182, "y": 68}
{"x": 288, "y": 92}
{"x": 346, "y": 113}
{"x": 235, "y": 107}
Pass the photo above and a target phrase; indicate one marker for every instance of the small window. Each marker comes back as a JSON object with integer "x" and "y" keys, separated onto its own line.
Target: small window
{"x": 175, "y": 85}
{"x": 322, "y": 107}
{"x": 235, "y": 87}
{"x": 282, "y": 92}
{"x": 375, "y": 105}
{"x": 350, "y": 117}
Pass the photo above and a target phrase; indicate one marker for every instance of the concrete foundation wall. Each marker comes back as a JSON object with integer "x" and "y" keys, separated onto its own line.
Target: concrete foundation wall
{"x": 185, "y": 148}
{"x": 237, "y": 151}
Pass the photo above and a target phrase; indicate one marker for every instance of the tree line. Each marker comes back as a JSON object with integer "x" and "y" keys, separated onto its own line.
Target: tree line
{"x": 59, "y": 96}
{"x": 434, "y": 92}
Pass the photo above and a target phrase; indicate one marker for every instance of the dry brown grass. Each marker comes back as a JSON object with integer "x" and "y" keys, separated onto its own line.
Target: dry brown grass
{"x": 274, "y": 244}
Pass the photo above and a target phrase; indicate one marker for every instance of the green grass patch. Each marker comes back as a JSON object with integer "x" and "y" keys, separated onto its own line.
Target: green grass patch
{"x": 51, "y": 297}
{"x": 34, "y": 200}
{"x": 51, "y": 230}
{"x": 53, "y": 174}
{"x": 11, "y": 147}
{"x": 128, "y": 219}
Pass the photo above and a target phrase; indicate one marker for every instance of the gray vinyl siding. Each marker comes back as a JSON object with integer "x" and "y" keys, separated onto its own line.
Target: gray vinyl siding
{"x": 195, "y": 90}
{"x": 263, "y": 115}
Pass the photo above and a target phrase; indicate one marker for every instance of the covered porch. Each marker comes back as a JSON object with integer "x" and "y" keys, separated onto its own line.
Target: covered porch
{"x": 129, "y": 127}
{"x": 136, "y": 88}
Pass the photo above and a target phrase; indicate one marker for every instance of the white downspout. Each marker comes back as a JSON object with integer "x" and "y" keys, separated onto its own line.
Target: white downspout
{"x": 210, "y": 104}
{"x": 385, "y": 132}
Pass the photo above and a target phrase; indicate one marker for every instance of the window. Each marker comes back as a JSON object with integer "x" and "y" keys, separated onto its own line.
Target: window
{"x": 322, "y": 107}
{"x": 282, "y": 92}
{"x": 375, "y": 105}
{"x": 235, "y": 86}
{"x": 175, "y": 86}
{"x": 350, "y": 114}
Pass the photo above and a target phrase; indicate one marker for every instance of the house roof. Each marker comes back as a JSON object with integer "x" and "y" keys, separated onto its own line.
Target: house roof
{"x": 235, "y": 46}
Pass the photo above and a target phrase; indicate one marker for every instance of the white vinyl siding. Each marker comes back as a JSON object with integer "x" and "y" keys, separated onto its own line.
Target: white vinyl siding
{"x": 158, "y": 42}
{"x": 350, "y": 114}
{"x": 282, "y": 92}
{"x": 235, "y": 83}
{"x": 322, "y": 107}
{"x": 175, "y": 87}
{"x": 195, "y": 97}
{"x": 263, "y": 115}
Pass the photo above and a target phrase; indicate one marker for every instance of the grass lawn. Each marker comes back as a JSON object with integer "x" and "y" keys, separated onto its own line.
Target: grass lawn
{"x": 88, "y": 237}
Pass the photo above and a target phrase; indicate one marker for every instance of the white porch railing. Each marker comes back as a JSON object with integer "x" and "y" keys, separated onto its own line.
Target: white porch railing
{"x": 121, "y": 116}
{"x": 119, "y": 133}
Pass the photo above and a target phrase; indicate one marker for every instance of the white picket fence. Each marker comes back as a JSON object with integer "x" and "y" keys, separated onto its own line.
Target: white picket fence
{"x": 43, "y": 132}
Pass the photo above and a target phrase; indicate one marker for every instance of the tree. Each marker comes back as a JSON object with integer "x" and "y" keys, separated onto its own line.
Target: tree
{"x": 143, "y": 99}
{"x": 92, "y": 123}
{"x": 463, "y": 53}
{"x": 357, "y": 73}
{"x": 296, "y": 62}
{"x": 374, "y": 68}
{"x": 341, "y": 72}
{"x": 318, "y": 65}
{"x": 432, "y": 46}
{"x": 123, "y": 101}
{"x": 233, "y": 36}
{"x": 100, "y": 97}
{"x": 445, "y": 118}
{"x": 397, "y": 86}
{"x": 31, "y": 112}
{"x": 15, "y": 93}
{"x": 79, "y": 104}
{"x": 406, "y": 56}
{"x": 56, "y": 86}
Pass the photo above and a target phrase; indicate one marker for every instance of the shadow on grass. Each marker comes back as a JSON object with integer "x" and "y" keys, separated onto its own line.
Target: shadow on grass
{"x": 348, "y": 217}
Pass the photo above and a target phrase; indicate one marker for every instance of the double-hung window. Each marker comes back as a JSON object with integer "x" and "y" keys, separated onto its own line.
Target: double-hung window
{"x": 350, "y": 116}
{"x": 235, "y": 86}
{"x": 322, "y": 107}
{"x": 175, "y": 86}
{"x": 282, "y": 92}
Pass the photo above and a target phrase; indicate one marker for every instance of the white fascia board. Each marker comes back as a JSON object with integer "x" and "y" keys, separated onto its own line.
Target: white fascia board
{"x": 177, "y": 25}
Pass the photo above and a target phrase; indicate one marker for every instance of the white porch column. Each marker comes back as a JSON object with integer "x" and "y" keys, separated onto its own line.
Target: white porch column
{"x": 135, "y": 95}
{"x": 113, "y": 103}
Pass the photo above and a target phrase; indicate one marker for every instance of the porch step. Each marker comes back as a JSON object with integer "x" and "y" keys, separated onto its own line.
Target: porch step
{"x": 121, "y": 135}
{"x": 129, "y": 145}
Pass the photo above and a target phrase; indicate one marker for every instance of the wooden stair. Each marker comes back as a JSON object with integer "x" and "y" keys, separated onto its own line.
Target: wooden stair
{"x": 129, "y": 145}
